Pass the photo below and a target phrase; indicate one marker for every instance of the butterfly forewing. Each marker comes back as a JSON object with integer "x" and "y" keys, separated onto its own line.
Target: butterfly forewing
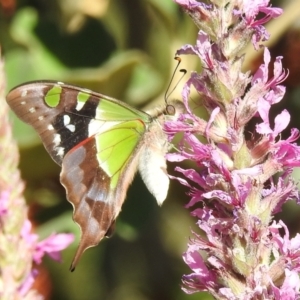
{"x": 65, "y": 115}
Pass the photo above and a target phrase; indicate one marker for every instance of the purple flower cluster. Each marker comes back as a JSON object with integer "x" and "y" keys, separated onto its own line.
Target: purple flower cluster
{"x": 241, "y": 180}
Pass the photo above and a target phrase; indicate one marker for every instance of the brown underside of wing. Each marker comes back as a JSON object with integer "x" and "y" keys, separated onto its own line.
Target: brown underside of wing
{"x": 87, "y": 188}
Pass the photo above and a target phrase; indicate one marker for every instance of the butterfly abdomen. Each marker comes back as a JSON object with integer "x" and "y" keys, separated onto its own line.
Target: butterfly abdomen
{"x": 152, "y": 162}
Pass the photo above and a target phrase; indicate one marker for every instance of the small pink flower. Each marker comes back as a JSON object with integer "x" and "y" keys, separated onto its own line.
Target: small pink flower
{"x": 52, "y": 246}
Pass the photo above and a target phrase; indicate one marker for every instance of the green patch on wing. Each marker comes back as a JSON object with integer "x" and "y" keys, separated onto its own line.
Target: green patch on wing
{"x": 52, "y": 97}
{"x": 83, "y": 97}
{"x": 115, "y": 147}
{"x": 109, "y": 110}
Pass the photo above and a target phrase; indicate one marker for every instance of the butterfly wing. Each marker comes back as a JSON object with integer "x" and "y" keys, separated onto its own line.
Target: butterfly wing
{"x": 97, "y": 193}
{"x": 96, "y": 139}
{"x": 65, "y": 115}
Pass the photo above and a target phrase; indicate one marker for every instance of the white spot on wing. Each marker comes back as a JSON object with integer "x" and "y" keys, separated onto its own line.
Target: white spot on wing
{"x": 56, "y": 139}
{"x": 71, "y": 127}
{"x": 50, "y": 127}
{"x": 41, "y": 118}
{"x": 97, "y": 126}
{"x": 67, "y": 120}
{"x": 32, "y": 110}
{"x": 24, "y": 93}
{"x": 94, "y": 127}
{"x": 79, "y": 105}
{"x": 23, "y": 102}
{"x": 60, "y": 151}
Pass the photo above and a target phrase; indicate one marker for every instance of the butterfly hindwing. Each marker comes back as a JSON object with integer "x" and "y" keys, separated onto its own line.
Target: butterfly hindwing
{"x": 98, "y": 193}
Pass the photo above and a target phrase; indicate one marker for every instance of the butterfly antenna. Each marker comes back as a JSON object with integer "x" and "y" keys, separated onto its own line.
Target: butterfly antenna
{"x": 168, "y": 92}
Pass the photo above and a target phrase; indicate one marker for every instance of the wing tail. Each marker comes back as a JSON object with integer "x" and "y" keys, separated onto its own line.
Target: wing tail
{"x": 93, "y": 231}
{"x": 88, "y": 190}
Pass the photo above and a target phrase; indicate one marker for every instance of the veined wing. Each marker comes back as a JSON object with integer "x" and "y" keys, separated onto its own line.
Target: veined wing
{"x": 66, "y": 115}
{"x": 96, "y": 175}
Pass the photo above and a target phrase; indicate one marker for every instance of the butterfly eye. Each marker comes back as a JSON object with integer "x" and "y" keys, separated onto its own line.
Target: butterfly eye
{"x": 170, "y": 110}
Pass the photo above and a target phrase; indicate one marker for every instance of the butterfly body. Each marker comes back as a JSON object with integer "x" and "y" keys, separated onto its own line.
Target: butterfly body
{"x": 99, "y": 142}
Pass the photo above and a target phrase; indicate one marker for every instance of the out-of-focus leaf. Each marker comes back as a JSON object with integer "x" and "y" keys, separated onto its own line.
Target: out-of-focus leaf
{"x": 24, "y": 133}
{"x": 61, "y": 223}
{"x": 30, "y": 59}
{"x": 127, "y": 76}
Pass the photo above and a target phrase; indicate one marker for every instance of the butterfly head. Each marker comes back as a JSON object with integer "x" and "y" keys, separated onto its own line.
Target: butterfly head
{"x": 174, "y": 108}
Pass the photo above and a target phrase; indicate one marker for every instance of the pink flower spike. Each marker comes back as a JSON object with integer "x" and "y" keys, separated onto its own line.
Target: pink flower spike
{"x": 28, "y": 282}
{"x": 202, "y": 276}
{"x": 52, "y": 246}
{"x": 253, "y": 8}
{"x": 237, "y": 180}
{"x": 4, "y": 200}
{"x": 289, "y": 289}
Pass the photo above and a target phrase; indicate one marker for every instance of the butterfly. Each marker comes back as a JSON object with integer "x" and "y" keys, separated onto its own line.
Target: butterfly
{"x": 100, "y": 143}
